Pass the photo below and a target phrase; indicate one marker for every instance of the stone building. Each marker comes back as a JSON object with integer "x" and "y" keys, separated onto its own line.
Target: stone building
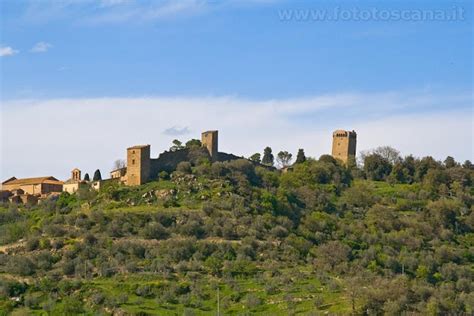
{"x": 75, "y": 183}
{"x": 34, "y": 186}
{"x": 209, "y": 140}
{"x": 344, "y": 145}
{"x": 118, "y": 173}
{"x": 141, "y": 168}
{"x": 138, "y": 164}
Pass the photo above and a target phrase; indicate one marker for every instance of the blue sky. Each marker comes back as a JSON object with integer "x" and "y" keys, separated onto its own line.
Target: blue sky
{"x": 244, "y": 54}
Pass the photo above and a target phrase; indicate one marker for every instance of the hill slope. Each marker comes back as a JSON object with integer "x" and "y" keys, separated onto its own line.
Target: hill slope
{"x": 246, "y": 240}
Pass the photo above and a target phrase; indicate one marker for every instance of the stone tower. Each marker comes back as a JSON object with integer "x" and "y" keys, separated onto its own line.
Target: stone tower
{"x": 138, "y": 164}
{"x": 344, "y": 144}
{"x": 209, "y": 140}
{"x": 76, "y": 175}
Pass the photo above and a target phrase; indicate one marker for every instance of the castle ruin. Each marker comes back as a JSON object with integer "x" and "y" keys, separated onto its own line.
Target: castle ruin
{"x": 141, "y": 168}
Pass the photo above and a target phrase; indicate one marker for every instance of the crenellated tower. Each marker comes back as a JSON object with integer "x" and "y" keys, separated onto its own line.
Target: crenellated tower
{"x": 344, "y": 144}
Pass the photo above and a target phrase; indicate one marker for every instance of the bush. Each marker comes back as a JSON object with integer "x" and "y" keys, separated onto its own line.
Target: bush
{"x": 252, "y": 301}
{"x": 97, "y": 298}
{"x": 145, "y": 291}
{"x": 163, "y": 175}
{"x": 184, "y": 167}
{"x": 21, "y": 266}
{"x": 32, "y": 244}
{"x": 155, "y": 230}
{"x": 69, "y": 268}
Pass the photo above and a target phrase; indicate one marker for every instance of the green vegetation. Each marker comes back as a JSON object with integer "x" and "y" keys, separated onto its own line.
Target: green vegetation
{"x": 393, "y": 237}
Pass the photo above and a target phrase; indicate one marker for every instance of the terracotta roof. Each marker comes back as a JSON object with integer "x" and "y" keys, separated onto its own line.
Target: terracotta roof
{"x": 119, "y": 169}
{"x": 8, "y": 180}
{"x": 26, "y": 181}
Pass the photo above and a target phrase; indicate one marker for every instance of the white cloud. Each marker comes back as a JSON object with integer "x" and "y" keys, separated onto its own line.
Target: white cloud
{"x": 176, "y": 131}
{"x": 127, "y": 11}
{"x": 92, "y": 133}
{"x": 109, "y": 3}
{"x": 92, "y": 12}
{"x": 7, "y": 51}
{"x": 41, "y": 47}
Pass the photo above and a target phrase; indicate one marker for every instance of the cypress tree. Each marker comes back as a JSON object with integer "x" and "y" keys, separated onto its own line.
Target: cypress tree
{"x": 300, "y": 157}
{"x": 268, "y": 158}
{"x": 97, "y": 175}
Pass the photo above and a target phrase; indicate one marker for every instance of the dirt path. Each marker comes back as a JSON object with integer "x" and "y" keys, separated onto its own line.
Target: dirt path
{"x": 17, "y": 244}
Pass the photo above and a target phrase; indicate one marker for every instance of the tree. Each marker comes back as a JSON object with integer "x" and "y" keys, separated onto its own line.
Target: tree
{"x": 193, "y": 143}
{"x": 434, "y": 178}
{"x": 177, "y": 145}
{"x": 97, "y": 176}
{"x": 376, "y": 167}
{"x": 409, "y": 164}
{"x": 155, "y": 230}
{"x": 468, "y": 165}
{"x": 184, "y": 167}
{"x": 119, "y": 164}
{"x": 333, "y": 253}
{"x": 268, "y": 158}
{"x": 423, "y": 165}
{"x": 398, "y": 174}
{"x": 300, "y": 157}
{"x": 449, "y": 162}
{"x": 284, "y": 158}
{"x": 389, "y": 153}
{"x": 444, "y": 213}
{"x": 328, "y": 159}
{"x": 256, "y": 158}
{"x": 87, "y": 178}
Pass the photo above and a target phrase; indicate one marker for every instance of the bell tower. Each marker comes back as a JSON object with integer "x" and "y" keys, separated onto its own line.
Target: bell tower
{"x": 76, "y": 175}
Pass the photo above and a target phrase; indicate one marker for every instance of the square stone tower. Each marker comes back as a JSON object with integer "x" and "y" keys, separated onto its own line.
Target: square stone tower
{"x": 209, "y": 140}
{"x": 344, "y": 144}
{"x": 138, "y": 164}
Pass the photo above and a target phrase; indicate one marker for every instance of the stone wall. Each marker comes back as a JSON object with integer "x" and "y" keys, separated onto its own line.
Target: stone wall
{"x": 169, "y": 160}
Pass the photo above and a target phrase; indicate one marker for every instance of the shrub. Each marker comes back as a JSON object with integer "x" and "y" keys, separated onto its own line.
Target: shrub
{"x": 145, "y": 291}
{"x": 21, "y": 266}
{"x": 184, "y": 167}
{"x": 32, "y": 244}
{"x": 155, "y": 230}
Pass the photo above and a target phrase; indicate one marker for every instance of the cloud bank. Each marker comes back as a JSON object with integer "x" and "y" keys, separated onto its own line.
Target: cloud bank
{"x": 51, "y": 137}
